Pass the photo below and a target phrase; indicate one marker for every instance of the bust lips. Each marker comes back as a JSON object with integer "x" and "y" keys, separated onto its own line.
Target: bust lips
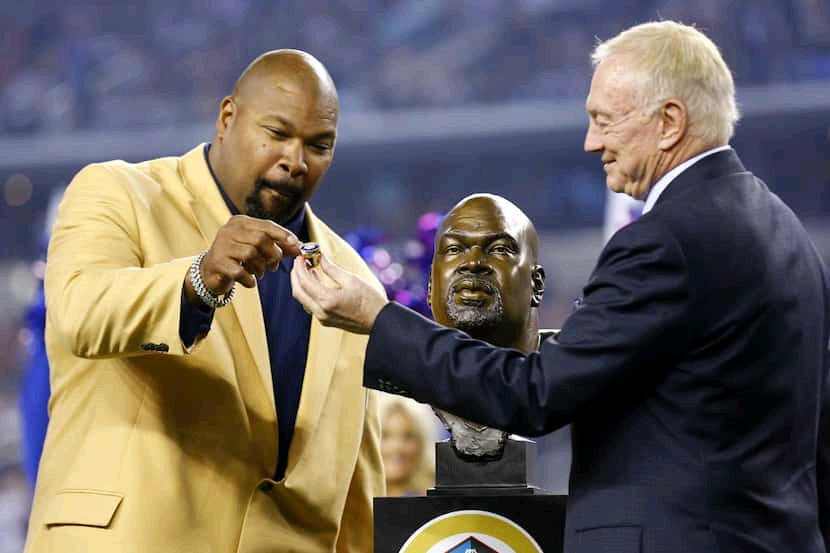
{"x": 474, "y": 285}
{"x": 473, "y": 290}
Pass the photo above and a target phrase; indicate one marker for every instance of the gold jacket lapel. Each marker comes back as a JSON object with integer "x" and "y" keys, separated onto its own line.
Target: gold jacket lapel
{"x": 211, "y": 212}
{"x": 323, "y": 348}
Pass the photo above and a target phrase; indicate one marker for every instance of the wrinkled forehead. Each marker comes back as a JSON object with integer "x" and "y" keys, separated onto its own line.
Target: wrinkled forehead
{"x": 612, "y": 88}
{"x": 306, "y": 97}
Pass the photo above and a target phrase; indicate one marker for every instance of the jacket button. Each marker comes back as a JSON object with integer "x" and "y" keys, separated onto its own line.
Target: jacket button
{"x": 266, "y": 486}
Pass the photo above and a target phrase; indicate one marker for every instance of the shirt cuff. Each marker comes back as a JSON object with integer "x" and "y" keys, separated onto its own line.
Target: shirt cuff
{"x": 194, "y": 321}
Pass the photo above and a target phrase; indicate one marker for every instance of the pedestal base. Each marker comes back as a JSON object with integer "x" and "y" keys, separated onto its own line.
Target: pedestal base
{"x": 515, "y": 472}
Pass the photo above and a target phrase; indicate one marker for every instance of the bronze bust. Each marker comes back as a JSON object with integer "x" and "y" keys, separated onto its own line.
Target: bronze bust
{"x": 486, "y": 280}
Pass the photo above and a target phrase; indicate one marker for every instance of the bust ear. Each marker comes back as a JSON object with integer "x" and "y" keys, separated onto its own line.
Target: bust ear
{"x": 429, "y": 290}
{"x": 537, "y": 277}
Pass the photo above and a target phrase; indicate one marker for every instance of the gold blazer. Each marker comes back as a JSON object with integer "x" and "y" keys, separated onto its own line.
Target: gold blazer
{"x": 154, "y": 449}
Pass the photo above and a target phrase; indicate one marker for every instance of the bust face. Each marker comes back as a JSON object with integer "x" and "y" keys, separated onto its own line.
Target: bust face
{"x": 482, "y": 272}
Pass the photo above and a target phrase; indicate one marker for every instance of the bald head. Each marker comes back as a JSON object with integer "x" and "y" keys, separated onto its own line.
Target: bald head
{"x": 293, "y": 71}
{"x": 500, "y": 210}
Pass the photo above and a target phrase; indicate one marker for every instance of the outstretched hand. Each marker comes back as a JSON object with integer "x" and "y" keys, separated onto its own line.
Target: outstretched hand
{"x": 335, "y": 296}
{"x": 243, "y": 250}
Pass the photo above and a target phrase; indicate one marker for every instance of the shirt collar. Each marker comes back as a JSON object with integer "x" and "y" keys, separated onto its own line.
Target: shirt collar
{"x": 296, "y": 224}
{"x": 664, "y": 181}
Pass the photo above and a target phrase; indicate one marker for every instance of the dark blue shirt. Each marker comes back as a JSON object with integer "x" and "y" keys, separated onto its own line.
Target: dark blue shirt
{"x": 287, "y": 329}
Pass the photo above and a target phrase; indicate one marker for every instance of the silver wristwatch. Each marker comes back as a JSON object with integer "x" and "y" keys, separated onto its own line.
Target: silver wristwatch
{"x": 208, "y": 298}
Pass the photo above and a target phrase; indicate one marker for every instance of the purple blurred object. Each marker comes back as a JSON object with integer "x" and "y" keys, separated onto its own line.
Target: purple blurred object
{"x": 402, "y": 269}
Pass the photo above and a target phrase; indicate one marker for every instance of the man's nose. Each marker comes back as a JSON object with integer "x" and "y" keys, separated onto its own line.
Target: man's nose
{"x": 475, "y": 261}
{"x": 292, "y": 160}
{"x": 593, "y": 139}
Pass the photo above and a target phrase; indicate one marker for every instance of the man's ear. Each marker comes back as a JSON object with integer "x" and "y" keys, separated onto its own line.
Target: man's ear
{"x": 227, "y": 111}
{"x": 674, "y": 122}
{"x": 429, "y": 290}
{"x": 537, "y": 276}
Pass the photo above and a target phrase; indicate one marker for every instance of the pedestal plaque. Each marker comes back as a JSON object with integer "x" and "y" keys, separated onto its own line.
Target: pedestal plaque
{"x": 475, "y": 507}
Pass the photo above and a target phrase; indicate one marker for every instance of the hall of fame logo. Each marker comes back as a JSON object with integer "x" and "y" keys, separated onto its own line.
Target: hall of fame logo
{"x": 470, "y": 532}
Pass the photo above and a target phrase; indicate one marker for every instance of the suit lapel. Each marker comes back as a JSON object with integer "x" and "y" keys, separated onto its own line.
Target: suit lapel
{"x": 714, "y": 166}
{"x": 323, "y": 349}
{"x": 211, "y": 212}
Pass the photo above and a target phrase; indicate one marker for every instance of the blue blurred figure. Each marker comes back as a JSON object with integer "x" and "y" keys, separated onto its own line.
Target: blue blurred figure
{"x": 34, "y": 395}
{"x": 35, "y": 390}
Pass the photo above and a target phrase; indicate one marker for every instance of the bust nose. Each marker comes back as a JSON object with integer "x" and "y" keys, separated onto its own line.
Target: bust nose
{"x": 475, "y": 262}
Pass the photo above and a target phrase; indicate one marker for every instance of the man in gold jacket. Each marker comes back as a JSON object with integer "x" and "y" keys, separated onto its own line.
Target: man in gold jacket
{"x": 170, "y": 424}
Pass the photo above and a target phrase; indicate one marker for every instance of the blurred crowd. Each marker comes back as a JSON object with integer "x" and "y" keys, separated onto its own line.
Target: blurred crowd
{"x": 99, "y": 64}
{"x": 94, "y": 65}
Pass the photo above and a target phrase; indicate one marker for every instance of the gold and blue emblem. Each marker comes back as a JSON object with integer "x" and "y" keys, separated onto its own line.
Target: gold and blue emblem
{"x": 470, "y": 531}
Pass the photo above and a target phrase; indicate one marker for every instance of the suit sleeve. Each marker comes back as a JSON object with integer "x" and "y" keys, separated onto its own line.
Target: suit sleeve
{"x": 356, "y": 527}
{"x": 823, "y": 461}
{"x": 633, "y": 318}
{"x": 194, "y": 321}
{"x": 101, "y": 299}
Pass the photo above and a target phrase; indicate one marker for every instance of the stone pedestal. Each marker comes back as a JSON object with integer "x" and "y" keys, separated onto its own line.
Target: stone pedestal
{"x": 515, "y": 472}
{"x": 475, "y": 507}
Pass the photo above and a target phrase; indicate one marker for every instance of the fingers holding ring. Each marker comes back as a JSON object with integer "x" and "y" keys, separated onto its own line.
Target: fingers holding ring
{"x": 252, "y": 268}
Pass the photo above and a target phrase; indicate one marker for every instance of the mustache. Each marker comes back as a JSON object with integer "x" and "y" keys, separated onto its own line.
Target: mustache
{"x": 474, "y": 282}
{"x": 284, "y": 187}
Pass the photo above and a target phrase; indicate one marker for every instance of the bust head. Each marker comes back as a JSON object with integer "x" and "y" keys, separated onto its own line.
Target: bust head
{"x": 485, "y": 277}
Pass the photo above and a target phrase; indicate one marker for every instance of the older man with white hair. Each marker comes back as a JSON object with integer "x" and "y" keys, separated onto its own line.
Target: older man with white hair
{"x": 695, "y": 372}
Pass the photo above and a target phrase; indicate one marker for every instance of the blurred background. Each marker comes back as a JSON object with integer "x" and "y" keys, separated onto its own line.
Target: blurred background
{"x": 440, "y": 98}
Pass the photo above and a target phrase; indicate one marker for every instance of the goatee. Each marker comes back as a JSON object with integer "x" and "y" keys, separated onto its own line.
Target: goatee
{"x": 476, "y": 317}
{"x": 282, "y": 207}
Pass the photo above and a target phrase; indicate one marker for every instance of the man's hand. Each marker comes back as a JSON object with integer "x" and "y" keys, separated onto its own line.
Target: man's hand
{"x": 347, "y": 302}
{"x": 244, "y": 248}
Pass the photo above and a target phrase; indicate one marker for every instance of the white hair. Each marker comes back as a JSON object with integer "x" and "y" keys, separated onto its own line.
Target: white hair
{"x": 673, "y": 60}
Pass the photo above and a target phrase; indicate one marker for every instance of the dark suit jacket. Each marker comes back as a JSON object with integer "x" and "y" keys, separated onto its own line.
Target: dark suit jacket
{"x": 694, "y": 373}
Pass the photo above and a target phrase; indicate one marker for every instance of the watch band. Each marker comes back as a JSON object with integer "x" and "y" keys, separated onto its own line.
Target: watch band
{"x": 208, "y": 298}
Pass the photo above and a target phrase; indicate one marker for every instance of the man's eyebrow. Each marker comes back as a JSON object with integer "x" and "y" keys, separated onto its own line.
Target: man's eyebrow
{"x": 489, "y": 237}
{"x": 597, "y": 113}
{"x": 270, "y": 117}
{"x": 325, "y": 135}
{"x": 273, "y": 118}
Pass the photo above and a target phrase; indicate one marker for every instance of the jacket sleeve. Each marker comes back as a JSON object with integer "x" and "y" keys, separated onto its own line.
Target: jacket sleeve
{"x": 633, "y": 318}
{"x": 102, "y": 301}
{"x": 368, "y": 481}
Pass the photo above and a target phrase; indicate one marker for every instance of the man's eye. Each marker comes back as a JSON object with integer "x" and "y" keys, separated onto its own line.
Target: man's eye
{"x": 451, "y": 250}
{"x": 321, "y": 147}
{"x": 501, "y": 249}
{"x": 276, "y": 133}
